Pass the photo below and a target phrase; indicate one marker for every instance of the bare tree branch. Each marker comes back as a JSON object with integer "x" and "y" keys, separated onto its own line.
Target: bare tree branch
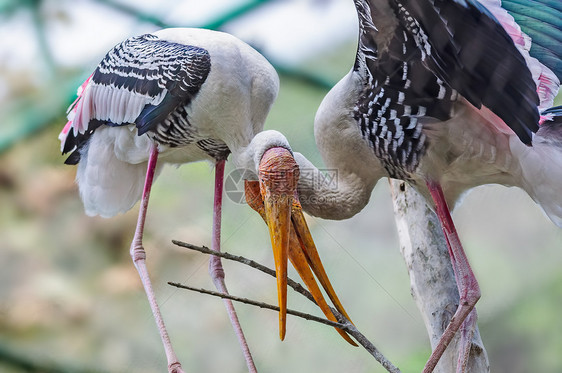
{"x": 432, "y": 279}
{"x": 344, "y": 323}
{"x": 249, "y": 262}
{"x": 268, "y": 306}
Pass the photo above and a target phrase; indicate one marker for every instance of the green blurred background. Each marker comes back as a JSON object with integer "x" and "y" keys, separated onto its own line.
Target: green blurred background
{"x": 71, "y": 300}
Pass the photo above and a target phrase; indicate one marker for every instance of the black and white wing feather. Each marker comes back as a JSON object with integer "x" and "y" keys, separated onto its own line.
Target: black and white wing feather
{"x": 144, "y": 81}
{"x": 417, "y": 56}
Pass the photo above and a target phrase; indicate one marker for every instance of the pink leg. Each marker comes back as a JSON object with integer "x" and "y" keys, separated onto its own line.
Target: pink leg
{"x": 469, "y": 291}
{"x": 139, "y": 259}
{"x": 215, "y": 266}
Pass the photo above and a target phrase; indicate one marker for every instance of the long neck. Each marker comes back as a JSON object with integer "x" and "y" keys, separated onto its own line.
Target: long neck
{"x": 331, "y": 193}
{"x": 352, "y": 169}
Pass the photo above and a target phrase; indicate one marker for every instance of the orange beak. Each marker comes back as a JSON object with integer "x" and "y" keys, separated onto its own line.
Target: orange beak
{"x": 275, "y": 198}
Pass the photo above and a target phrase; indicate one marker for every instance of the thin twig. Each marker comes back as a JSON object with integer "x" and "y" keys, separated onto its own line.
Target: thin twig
{"x": 344, "y": 323}
{"x": 249, "y": 262}
{"x": 268, "y": 306}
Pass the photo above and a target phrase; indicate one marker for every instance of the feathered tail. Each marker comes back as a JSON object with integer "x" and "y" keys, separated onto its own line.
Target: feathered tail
{"x": 541, "y": 164}
{"x": 108, "y": 185}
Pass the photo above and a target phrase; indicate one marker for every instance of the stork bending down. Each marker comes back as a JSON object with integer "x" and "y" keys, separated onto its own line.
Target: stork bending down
{"x": 443, "y": 94}
{"x": 179, "y": 96}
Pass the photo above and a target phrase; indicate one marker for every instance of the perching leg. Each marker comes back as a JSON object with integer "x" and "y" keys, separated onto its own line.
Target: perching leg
{"x": 139, "y": 259}
{"x": 469, "y": 291}
{"x": 215, "y": 266}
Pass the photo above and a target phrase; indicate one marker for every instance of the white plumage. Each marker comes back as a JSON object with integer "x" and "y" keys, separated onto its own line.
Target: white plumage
{"x": 541, "y": 170}
{"x": 111, "y": 172}
{"x": 230, "y": 108}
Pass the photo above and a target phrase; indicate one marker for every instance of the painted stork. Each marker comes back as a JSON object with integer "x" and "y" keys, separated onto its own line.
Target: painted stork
{"x": 444, "y": 95}
{"x": 185, "y": 95}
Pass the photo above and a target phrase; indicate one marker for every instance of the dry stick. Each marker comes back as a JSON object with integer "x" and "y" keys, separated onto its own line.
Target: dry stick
{"x": 432, "y": 279}
{"x": 268, "y": 306}
{"x": 249, "y": 262}
{"x": 343, "y": 322}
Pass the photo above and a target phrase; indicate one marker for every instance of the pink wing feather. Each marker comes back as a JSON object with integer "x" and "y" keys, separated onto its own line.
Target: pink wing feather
{"x": 546, "y": 81}
{"x": 71, "y": 113}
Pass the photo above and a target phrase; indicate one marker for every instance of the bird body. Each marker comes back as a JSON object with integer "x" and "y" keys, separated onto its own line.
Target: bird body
{"x": 183, "y": 95}
{"x": 409, "y": 124}
{"x": 186, "y": 95}
{"x": 444, "y": 95}
{"x": 219, "y": 112}
{"x": 344, "y": 149}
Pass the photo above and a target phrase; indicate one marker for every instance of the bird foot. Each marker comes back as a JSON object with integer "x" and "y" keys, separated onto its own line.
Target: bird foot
{"x": 466, "y": 308}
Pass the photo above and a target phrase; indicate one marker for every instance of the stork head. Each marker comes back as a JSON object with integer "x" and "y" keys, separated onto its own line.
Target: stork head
{"x": 274, "y": 196}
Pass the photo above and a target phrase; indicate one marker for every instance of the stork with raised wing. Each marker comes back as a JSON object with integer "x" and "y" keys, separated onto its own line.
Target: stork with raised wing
{"x": 179, "y": 96}
{"x": 444, "y": 95}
